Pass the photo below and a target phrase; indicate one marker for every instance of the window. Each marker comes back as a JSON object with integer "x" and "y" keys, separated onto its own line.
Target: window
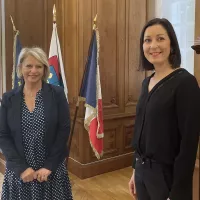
{"x": 181, "y": 13}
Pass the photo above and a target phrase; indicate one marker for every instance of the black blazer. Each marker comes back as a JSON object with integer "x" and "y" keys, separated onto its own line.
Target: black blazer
{"x": 57, "y": 124}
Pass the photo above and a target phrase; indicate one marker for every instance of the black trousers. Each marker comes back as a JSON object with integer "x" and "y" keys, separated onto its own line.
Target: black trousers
{"x": 152, "y": 180}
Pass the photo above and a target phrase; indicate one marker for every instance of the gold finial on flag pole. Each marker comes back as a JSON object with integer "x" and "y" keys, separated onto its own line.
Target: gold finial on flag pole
{"x": 94, "y": 22}
{"x": 14, "y": 29}
{"x": 54, "y": 13}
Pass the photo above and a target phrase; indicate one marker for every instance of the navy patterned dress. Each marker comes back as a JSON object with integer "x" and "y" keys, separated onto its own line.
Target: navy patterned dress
{"x": 58, "y": 185}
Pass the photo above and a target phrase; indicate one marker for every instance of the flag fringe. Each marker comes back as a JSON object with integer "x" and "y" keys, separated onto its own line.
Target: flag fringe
{"x": 86, "y": 125}
{"x": 98, "y": 82}
{"x": 95, "y": 151}
{"x": 91, "y": 117}
{"x": 94, "y": 110}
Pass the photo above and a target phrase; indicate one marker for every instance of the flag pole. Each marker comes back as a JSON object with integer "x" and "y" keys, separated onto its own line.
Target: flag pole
{"x": 58, "y": 48}
{"x": 78, "y": 101}
{"x": 16, "y": 33}
{"x": 54, "y": 22}
{"x": 54, "y": 13}
{"x": 14, "y": 28}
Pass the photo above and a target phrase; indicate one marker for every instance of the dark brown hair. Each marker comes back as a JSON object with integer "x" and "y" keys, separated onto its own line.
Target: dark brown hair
{"x": 175, "y": 55}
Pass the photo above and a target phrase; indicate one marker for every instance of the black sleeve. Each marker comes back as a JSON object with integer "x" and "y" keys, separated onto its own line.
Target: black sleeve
{"x": 13, "y": 160}
{"x": 59, "y": 147}
{"x": 138, "y": 122}
{"x": 188, "y": 114}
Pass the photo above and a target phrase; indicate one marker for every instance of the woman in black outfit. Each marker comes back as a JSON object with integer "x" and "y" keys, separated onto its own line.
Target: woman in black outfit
{"x": 167, "y": 122}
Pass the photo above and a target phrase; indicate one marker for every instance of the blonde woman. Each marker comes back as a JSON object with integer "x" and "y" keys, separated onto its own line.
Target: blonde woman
{"x": 34, "y": 129}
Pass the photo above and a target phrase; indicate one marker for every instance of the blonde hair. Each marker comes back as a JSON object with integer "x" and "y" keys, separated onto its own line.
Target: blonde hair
{"x": 38, "y": 54}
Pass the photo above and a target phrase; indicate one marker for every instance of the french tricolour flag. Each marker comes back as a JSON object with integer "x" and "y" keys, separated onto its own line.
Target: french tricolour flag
{"x": 91, "y": 93}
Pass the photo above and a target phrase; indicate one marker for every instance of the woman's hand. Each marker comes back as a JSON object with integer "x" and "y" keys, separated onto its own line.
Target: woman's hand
{"x": 132, "y": 187}
{"x": 27, "y": 175}
{"x": 42, "y": 174}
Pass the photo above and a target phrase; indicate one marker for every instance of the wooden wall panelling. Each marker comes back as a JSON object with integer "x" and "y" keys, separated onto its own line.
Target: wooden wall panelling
{"x": 117, "y": 150}
{"x": 77, "y": 146}
{"x": 119, "y": 24}
{"x": 112, "y": 131}
{"x": 70, "y": 43}
{"x": 67, "y": 15}
{"x": 76, "y": 36}
{"x": 119, "y": 29}
{"x": 83, "y": 13}
{"x": 85, "y": 24}
{"x": 71, "y": 29}
{"x": 135, "y": 20}
{"x": 48, "y": 23}
{"x": 106, "y": 165}
{"x": 9, "y": 10}
{"x": 111, "y": 15}
{"x": 34, "y": 21}
{"x": 128, "y": 127}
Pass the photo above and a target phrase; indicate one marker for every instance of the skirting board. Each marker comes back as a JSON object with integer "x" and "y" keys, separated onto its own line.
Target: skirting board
{"x": 99, "y": 167}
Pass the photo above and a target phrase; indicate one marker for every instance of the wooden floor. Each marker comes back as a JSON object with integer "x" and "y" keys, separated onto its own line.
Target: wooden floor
{"x": 109, "y": 186}
{"x": 112, "y": 186}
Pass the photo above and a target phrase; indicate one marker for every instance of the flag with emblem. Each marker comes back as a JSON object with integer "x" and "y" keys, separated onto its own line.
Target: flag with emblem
{"x": 90, "y": 92}
{"x": 57, "y": 73}
{"x": 16, "y": 51}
